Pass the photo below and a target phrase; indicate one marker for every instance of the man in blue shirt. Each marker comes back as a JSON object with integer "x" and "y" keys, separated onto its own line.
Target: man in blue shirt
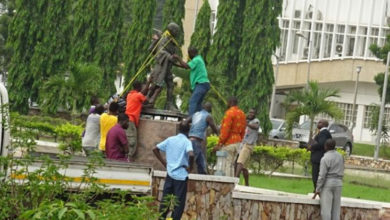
{"x": 199, "y": 80}
{"x": 199, "y": 123}
{"x": 179, "y": 160}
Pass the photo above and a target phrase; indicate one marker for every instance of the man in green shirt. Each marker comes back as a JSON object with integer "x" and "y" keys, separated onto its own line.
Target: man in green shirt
{"x": 200, "y": 83}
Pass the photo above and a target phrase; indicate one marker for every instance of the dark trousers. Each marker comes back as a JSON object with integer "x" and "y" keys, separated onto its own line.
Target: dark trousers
{"x": 200, "y": 158}
{"x": 315, "y": 171}
{"x": 177, "y": 188}
{"x": 197, "y": 97}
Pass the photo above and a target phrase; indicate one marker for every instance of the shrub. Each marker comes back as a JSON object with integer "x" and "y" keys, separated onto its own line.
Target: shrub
{"x": 70, "y": 135}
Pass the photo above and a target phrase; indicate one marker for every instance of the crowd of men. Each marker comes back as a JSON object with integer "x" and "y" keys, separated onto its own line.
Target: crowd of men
{"x": 114, "y": 134}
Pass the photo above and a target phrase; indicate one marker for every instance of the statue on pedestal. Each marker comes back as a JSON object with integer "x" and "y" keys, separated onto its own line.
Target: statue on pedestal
{"x": 164, "y": 48}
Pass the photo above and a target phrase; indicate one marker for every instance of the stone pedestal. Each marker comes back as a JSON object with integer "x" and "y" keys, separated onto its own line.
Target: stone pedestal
{"x": 150, "y": 133}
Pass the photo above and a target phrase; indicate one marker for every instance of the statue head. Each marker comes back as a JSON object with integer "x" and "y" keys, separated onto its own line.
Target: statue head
{"x": 173, "y": 29}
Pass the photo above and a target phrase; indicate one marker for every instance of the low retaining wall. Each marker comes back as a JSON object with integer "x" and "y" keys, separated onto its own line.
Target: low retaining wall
{"x": 208, "y": 197}
{"x": 216, "y": 197}
{"x": 368, "y": 163}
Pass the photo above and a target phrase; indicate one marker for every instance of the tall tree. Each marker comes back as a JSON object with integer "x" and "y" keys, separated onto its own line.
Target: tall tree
{"x": 311, "y": 102}
{"x": 261, "y": 35}
{"x": 24, "y": 33}
{"x": 108, "y": 52}
{"x": 381, "y": 53}
{"x": 174, "y": 11}
{"x": 223, "y": 54}
{"x": 6, "y": 16}
{"x": 139, "y": 36}
{"x": 72, "y": 89}
{"x": 85, "y": 30}
{"x": 201, "y": 37}
{"x": 51, "y": 54}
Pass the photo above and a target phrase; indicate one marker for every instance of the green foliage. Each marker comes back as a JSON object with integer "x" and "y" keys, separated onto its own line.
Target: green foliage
{"x": 85, "y": 16}
{"x": 23, "y": 33}
{"x": 108, "y": 53}
{"x": 44, "y": 193}
{"x": 51, "y": 53}
{"x": 58, "y": 209}
{"x": 272, "y": 158}
{"x": 138, "y": 37}
{"x": 311, "y": 102}
{"x": 373, "y": 126}
{"x": 174, "y": 11}
{"x": 381, "y": 53}
{"x": 255, "y": 76}
{"x": 223, "y": 55}
{"x": 71, "y": 91}
{"x": 212, "y": 141}
{"x": 379, "y": 80}
{"x": 70, "y": 136}
{"x": 201, "y": 37}
{"x": 5, "y": 20}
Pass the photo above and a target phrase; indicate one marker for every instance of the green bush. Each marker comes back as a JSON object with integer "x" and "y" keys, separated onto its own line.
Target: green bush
{"x": 70, "y": 135}
{"x": 272, "y": 158}
{"x": 265, "y": 157}
{"x": 212, "y": 141}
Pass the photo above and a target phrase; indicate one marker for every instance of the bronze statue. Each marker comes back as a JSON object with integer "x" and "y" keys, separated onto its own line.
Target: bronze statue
{"x": 161, "y": 73}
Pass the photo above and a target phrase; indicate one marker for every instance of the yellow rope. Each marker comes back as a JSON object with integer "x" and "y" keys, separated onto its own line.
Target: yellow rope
{"x": 143, "y": 66}
{"x": 150, "y": 58}
{"x": 218, "y": 94}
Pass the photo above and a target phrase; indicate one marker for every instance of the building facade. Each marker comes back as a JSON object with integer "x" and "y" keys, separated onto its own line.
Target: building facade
{"x": 337, "y": 35}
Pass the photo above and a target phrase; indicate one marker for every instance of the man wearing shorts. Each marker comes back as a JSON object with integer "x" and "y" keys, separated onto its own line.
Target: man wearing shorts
{"x": 231, "y": 134}
{"x": 250, "y": 139}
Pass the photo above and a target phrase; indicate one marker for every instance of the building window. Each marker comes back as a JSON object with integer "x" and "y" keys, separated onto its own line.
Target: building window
{"x": 368, "y": 115}
{"x": 346, "y": 108}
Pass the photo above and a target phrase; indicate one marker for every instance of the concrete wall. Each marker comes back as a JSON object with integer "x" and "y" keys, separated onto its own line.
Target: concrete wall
{"x": 150, "y": 133}
{"x": 208, "y": 197}
{"x": 216, "y": 197}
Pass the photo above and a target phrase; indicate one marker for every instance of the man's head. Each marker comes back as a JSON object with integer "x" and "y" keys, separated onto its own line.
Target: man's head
{"x": 184, "y": 128}
{"x": 99, "y": 109}
{"x": 94, "y": 100}
{"x": 207, "y": 106}
{"x": 113, "y": 108}
{"x": 232, "y": 101}
{"x": 123, "y": 120}
{"x": 322, "y": 124}
{"x": 137, "y": 86}
{"x": 192, "y": 52}
{"x": 330, "y": 144}
{"x": 173, "y": 29}
{"x": 251, "y": 114}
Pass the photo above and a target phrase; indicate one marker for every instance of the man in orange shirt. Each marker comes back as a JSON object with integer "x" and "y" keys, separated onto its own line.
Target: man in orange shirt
{"x": 231, "y": 134}
{"x": 134, "y": 101}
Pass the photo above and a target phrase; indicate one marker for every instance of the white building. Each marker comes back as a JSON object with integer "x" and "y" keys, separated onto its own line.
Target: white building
{"x": 340, "y": 32}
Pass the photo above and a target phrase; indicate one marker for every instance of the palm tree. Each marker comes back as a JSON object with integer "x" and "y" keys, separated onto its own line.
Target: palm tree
{"x": 311, "y": 102}
{"x": 71, "y": 90}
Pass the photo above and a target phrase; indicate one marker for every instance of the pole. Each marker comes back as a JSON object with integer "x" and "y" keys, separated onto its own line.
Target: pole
{"x": 271, "y": 109}
{"x": 354, "y": 100}
{"x": 381, "y": 114}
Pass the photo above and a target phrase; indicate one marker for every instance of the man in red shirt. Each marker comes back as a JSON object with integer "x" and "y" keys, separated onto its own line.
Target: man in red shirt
{"x": 134, "y": 101}
{"x": 231, "y": 134}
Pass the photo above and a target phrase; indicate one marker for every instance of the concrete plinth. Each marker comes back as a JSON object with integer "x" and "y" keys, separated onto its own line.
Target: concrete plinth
{"x": 150, "y": 133}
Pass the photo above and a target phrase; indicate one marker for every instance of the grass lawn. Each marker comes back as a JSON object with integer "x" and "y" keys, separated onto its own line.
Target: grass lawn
{"x": 354, "y": 187}
{"x": 368, "y": 150}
